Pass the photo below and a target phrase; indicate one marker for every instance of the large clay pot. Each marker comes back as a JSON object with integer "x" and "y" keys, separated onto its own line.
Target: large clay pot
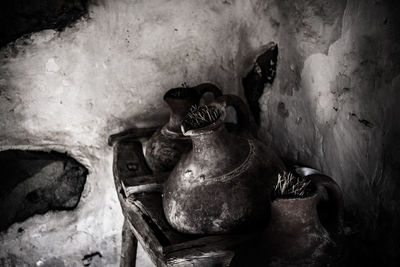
{"x": 296, "y": 236}
{"x": 224, "y": 183}
{"x": 167, "y": 144}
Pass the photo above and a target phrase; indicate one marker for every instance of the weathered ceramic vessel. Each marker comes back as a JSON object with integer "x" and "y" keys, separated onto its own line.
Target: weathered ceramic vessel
{"x": 165, "y": 147}
{"x": 296, "y": 235}
{"x": 224, "y": 183}
{"x": 303, "y": 231}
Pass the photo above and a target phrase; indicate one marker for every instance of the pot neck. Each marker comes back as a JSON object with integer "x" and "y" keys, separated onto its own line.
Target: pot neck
{"x": 174, "y": 123}
{"x": 219, "y": 144}
{"x": 178, "y": 110}
{"x": 295, "y": 213}
{"x": 217, "y": 137}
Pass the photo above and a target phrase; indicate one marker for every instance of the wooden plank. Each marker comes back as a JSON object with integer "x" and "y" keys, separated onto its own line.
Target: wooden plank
{"x": 215, "y": 258}
{"x": 130, "y": 161}
{"x": 202, "y": 251}
{"x": 211, "y": 242}
{"x": 135, "y": 133}
{"x": 144, "y": 232}
{"x": 129, "y": 165}
{"x": 145, "y": 183}
{"x": 151, "y": 204}
{"x": 129, "y": 150}
{"x": 157, "y": 178}
{"x": 129, "y": 246}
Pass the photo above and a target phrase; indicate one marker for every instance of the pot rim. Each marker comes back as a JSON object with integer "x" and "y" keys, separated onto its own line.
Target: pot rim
{"x": 313, "y": 195}
{"x": 189, "y": 93}
{"x": 171, "y": 134}
{"x": 209, "y": 128}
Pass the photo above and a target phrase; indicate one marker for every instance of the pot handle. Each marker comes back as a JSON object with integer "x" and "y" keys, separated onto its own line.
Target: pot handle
{"x": 242, "y": 111}
{"x": 333, "y": 205}
{"x": 203, "y": 88}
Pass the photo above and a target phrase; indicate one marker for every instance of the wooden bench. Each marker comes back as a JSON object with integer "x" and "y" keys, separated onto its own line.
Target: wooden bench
{"x": 140, "y": 194}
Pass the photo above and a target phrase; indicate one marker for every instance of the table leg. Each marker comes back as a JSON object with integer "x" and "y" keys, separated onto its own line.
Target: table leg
{"x": 129, "y": 246}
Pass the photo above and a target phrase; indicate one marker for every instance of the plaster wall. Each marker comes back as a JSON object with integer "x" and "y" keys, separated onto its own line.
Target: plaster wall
{"x": 70, "y": 90}
{"x": 332, "y": 104}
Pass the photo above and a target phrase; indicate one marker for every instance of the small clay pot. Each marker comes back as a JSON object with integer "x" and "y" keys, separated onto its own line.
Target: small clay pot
{"x": 224, "y": 183}
{"x": 303, "y": 231}
{"x": 296, "y": 236}
{"x": 167, "y": 144}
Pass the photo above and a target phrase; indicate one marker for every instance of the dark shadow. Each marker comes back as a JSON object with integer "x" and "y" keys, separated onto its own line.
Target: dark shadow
{"x": 19, "y": 17}
{"x": 263, "y": 72}
{"x": 33, "y": 182}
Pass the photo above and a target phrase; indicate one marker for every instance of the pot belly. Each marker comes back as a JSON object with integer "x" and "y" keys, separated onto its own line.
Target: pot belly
{"x": 218, "y": 207}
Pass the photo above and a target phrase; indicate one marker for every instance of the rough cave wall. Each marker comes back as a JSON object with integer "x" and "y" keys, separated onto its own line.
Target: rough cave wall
{"x": 69, "y": 90}
{"x": 333, "y": 106}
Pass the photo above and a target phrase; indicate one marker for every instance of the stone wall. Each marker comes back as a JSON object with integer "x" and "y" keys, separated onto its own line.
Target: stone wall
{"x": 69, "y": 90}
{"x": 332, "y": 104}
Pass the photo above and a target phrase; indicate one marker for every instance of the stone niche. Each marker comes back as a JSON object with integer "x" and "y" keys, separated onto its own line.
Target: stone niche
{"x": 34, "y": 182}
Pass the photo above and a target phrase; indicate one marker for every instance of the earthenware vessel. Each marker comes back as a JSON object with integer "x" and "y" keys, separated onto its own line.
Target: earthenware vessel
{"x": 304, "y": 231}
{"x": 296, "y": 234}
{"x": 330, "y": 205}
{"x": 224, "y": 183}
{"x": 167, "y": 144}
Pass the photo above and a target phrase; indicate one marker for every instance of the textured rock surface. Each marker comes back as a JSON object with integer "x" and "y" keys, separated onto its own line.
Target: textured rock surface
{"x": 34, "y": 182}
{"x": 27, "y": 16}
{"x": 70, "y": 90}
{"x": 333, "y": 103}
{"x": 333, "y": 106}
{"x": 262, "y": 73}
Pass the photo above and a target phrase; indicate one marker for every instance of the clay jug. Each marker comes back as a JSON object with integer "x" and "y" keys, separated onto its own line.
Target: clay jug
{"x": 303, "y": 231}
{"x": 224, "y": 183}
{"x": 167, "y": 144}
{"x": 296, "y": 235}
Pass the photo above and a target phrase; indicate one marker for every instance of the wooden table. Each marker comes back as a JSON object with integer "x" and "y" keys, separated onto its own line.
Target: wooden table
{"x": 140, "y": 194}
